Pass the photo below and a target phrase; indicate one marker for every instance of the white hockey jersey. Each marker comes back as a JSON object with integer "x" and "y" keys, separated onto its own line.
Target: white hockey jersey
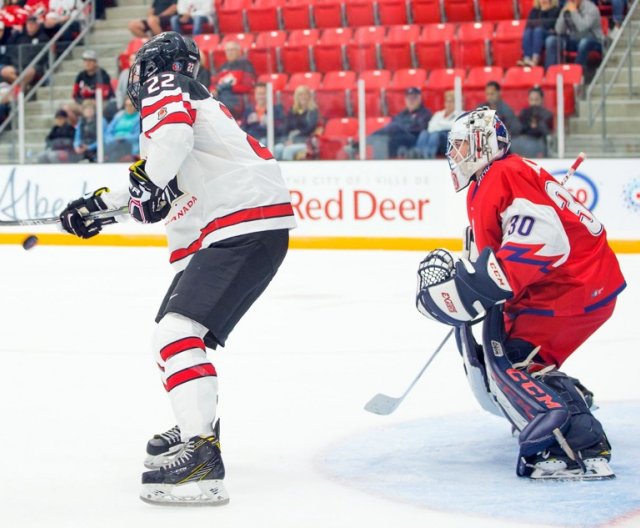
{"x": 221, "y": 181}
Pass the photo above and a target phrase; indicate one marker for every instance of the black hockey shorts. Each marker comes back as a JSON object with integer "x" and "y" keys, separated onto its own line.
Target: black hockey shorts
{"x": 221, "y": 282}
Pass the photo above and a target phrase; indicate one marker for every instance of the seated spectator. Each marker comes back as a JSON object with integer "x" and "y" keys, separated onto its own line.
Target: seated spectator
{"x": 433, "y": 141}
{"x": 235, "y": 78}
{"x": 537, "y": 124}
{"x": 25, "y": 45}
{"x": 59, "y": 13}
{"x": 59, "y": 142}
{"x": 540, "y": 23}
{"x": 123, "y": 82}
{"x": 301, "y": 123}
{"x": 86, "y": 137}
{"x": 91, "y": 79}
{"x": 195, "y": 12}
{"x": 254, "y": 120}
{"x": 399, "y": 138}
{"x": 493, "y": 93}
{"x": 122, "y": 135}
{"x": 158, "y": 19}
{"x": 578, "y": 29}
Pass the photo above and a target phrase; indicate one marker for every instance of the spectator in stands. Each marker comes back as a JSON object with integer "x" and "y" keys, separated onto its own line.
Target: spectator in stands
{"x": 5, "y": 34}
{"x": 195, "y": 12}
{"x": 123, "y": 82}
{"x": 122, "y": 135}
{"x": 235, "y": 78}
{"x": 399, "y": 138}
{"x": 59, "y": 142}
{"x": 540, "y": 23}
{"x": 85, "y": 141}
{"x": 91, "y": 79}
{"x": 618, "y": 7}
{"x": 158, "y": 19}
{"x": 537, "y": 124}
{"x": 578, "y": 29}
{"x": 301, "y": 124}
{"x": 26, "y": 44}
{"x": 433, "y": 141}
{"x": 254, "y": 120}
{"x": 60, "y": 11}
{"x": 493, "y": 93}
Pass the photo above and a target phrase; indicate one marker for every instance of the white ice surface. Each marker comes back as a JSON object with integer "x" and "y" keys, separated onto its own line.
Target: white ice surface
{"x": 80, "y": 395}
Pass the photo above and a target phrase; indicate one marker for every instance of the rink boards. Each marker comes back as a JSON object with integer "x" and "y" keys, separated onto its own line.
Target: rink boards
{"x": 407, "y": 205}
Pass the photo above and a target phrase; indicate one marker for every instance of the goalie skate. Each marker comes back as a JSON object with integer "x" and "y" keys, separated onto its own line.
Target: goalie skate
{"x": 162, "y": 448}
{"x": 558, "y": 469}
{"x": 193, "y": 478}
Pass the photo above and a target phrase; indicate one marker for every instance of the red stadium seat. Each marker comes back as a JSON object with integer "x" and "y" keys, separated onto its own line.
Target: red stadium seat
{"x": 332, "y": 96}
{"x": 279, "y": 80}
{"x": 426, "y": 11}
{"x": 328, "y": 53}
{"x": 328, "y": 14}
{"x": 310, "y": 79}
{"x": 263, "y": 53}
{"x": 516, "y": 84}
{"x": 230, "y": 18}
{"x": 439, "y": 82}
{"x": 506, "y": 45}
{"x": 295, "y": 55}
{"x": 403, "y": 79}
{"x": 134, "y": 45}
{"x": 473, "y": 88}
{"x": 376, "y": 123}
{"x": 431, "y": 46}
{"x": 392, "y": 12}
{"x": 337, "y": 133}
{"x": 572, "y": 80}
{"x": 459, "y": 10}
{"x": 263, "y": 15}
{"x": 375, "y": 81}
{"x": 370, "y": 34}
{"x": 524, "y": 6}
{"x": 470, "y": 46}
{"x": 362, "y": 52}
{"x": 497, "y": 9}
{"x": 395, "y": 50}
{"x": 359, "y": 13}
{"x": 296, "y": 15}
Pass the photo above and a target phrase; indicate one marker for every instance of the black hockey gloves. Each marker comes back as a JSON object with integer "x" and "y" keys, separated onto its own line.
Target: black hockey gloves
{"x": 74, "y": 217}
{"x": 147, "y": 203}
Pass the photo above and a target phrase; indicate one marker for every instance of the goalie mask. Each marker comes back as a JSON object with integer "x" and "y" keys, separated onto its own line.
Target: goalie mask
{"x": 475, "y": 140}
{"x": 166, "y": 52}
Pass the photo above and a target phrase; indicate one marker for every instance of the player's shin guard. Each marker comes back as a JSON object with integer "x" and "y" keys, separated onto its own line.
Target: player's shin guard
{"x": 189, "y": 378}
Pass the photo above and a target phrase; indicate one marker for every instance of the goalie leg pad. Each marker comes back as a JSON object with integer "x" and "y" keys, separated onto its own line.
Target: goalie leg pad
{"x": 534, "y": 409}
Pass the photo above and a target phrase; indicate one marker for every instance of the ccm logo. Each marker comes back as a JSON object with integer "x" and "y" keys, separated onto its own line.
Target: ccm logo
{"x": 497, "y": 273}
{"x": 448, "y": 302}
{"x": 533, "y": 389}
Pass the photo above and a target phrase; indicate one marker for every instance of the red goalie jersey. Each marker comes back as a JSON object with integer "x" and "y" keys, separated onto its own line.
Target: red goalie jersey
{"x": 552, "y": 248}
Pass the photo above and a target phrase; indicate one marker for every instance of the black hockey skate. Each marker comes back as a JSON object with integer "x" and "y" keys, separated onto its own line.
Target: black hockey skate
{"x": 193, "y": 478}
{"x": 162, "y": 448}
{"x": 590, "y": 464}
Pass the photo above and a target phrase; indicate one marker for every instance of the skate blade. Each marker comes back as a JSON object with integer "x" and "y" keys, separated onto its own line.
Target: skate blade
{"x": 157, "y": 461}
{"x": 596, "y": 469}
{"x": 202, "y": 493}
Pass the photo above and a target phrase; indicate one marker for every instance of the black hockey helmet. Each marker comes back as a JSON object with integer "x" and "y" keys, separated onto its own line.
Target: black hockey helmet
{"x": 167, "y": 51}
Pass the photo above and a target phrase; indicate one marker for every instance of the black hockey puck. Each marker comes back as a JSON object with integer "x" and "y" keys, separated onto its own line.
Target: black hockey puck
{"x": 29, "y": 242}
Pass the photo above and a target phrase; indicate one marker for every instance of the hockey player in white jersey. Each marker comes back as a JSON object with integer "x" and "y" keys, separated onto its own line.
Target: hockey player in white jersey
{"x": 227, "y": 214}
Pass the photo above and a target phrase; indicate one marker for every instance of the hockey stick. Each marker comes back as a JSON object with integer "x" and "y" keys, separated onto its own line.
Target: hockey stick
{"x": 383, "y": 404}
{"x": 98, "y": 215}
{"x": 572, "y": 170}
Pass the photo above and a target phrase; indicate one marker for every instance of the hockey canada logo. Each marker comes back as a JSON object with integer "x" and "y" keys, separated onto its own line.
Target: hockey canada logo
{"x": 631, "y": 195}
{"x": 162, "y": 113}
{"x": 581, "y": 187}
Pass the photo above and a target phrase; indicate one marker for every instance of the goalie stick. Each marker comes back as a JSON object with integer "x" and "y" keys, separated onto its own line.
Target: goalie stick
{"x": 384, "y": 405}
{"x": 581, "y": 157}
{"x": 56, "y": 220}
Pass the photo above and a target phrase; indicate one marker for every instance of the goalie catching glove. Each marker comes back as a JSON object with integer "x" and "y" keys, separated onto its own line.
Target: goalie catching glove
{"x": 456, "y": 292}
{"x": 147, "y": 203}
{"x": 74, "y": 218}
